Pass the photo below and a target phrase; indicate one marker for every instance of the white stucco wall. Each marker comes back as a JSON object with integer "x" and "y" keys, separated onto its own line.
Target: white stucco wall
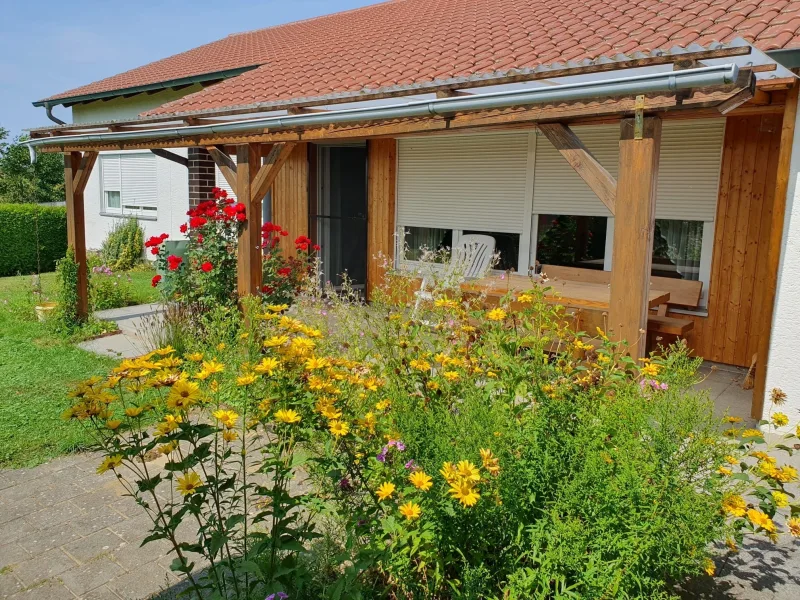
{"x": 126, "y": 108}
{"x": 784, "y": 370}
{"x": 173, "y": 202}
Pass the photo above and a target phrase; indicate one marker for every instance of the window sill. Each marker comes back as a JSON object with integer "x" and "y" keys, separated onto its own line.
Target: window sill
{"x": 128, "y": 216}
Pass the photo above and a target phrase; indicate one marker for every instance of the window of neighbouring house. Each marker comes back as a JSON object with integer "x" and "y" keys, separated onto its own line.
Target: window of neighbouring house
{"x": 506, "y": 245}
{"x": 571, "y": 241}
{"x": 677, "y": 249}
{"x": 129, "y": 183}
{"x": 420, "y": 239}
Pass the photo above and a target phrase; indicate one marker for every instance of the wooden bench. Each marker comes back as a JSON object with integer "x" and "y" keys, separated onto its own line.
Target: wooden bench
{"x": 682, "y": 294}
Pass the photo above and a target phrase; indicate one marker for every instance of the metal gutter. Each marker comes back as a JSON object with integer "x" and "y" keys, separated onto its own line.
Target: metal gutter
{"x": 788, "y": 58}
{"x": 150, "y": 87}
{"x": 667, "y": 82}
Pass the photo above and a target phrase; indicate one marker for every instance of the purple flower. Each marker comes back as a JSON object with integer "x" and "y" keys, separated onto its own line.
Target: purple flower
{"x": 345, "y": 485}
{"x": 382, "y": 455}
{"x": 277, "y": 596}
{"x": 398, "y": 444}
{"x": 411, "y": 465}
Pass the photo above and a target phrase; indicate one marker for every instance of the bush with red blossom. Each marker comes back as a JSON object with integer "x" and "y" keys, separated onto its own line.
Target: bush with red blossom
{"x": 284, "y": 276}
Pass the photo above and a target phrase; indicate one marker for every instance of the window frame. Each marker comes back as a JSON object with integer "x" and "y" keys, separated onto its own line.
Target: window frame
{"x": 142, "y": 212}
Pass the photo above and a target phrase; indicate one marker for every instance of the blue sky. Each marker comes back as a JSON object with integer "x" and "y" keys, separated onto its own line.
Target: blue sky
{"x": 47, "y": 47}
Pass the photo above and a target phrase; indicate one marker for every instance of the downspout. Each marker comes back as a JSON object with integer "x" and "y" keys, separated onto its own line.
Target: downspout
{"x": 48, "y": 108}
{"x": 666, "y": 82}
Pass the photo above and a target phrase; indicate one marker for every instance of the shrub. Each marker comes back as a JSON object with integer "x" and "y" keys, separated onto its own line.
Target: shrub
{"x": 108, "y": 289}
{"x": 32, "y": 238}
{"x": 461, "y": 452}
{"x": 123, "y": 247}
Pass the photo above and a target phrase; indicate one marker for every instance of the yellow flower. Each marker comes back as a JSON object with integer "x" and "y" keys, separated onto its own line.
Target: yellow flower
{"x": 227, "y": 417}
{"x": 779, "y": 419}
{"x": 734, "y": 505}
{"x": 603, "y": 359}
{"x": 195, "y": 357}
{"x": 524, "y": 298}
{"x": 275, "y": 341}
{"x": 732, "y": 460}
{"x": 339, "y": 428}
{"x": 451, "y": 375}
{"x": 432, "y": 385}
{"x": 287, "y": 416}
{"x": 490, "y": 462}
{"x": 709, "y": 567}
{"x": 267, "y": 366}
{"x": 421, "y": 480}
{"x": 410, "y": 511}
{"x": 468, "y": 471}
{"x": 368, "y": 422}
{"x": 420, "y": 365}
{"x": 183, "y": 395}
{"x": 496, "y": 314}
{"x": 188, "y": 484}
{"x": 246, "y": 379}
{"x": 212, "y": 367}
{"x": 277, "y": 308}
{"x": 326, "y": 408}
{"x": 777, "y": 396}
{"x": 761, "y": 520}
{"x": 730, "y": 419}
{"x": 313, "y": 364}
{"x": 781, "y": 500}
{"x": 449, "y": 472}
{"x": 113, "y": 424}
{"x": 168, "y": 425}
{"x": 650, "y": 370}
{"x": 302, "y": 345}
{"x": 110, "y": 462}
{"x": 794, "y": 526}
{"x": 221, "y": 346}
{"x": 168, "y": 448}
{"x": 230, "y": 435}
{"x": 134, "y": 411}
{"x": 464, "y": 491}
{"x": 491, "y": 374}
{"x": 383, "y": 404}
{"x": 445, "y": 303}
{"x": 751, "y": 433}
{"x": 724, "y": 471}
{"x": 385, "y": 490}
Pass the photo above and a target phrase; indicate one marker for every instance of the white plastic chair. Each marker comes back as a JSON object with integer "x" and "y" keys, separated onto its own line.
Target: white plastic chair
{"x": 469, "y": 259}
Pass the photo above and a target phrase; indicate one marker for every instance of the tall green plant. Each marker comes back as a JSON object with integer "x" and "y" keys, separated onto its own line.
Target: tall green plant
{"x": 123, "y": 248}
{"x": 67, "y": 316}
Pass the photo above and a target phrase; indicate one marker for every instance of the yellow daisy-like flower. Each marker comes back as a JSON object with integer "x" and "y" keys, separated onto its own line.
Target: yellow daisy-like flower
{"x": 195, "y": 357}
{"x": 113, "y": 424}
{"x": 410, "y": 511}
{"x": 383, "y": 405}
{"x": 496, "y": 314}
{"x": 183, "y": 395}
{"x": 302, "y": 345}
{"x": 432, "y": 385}
{"x": 468, "y": 471}
{"x": 731, "y": 460}
{"x": 275, "y": 341}
{"x": 734, "y": 505}
{"x": 246, "y": 379}
{"x": 229, "y": 435}
{"x": 212, "y": 367}
{"x": 277, "y": 308}
{"x": 168, "y": 448}
{"x": 385, "y": 490}
{"x": 779, "y": 419}
{"x": 421, "y": 480}
{"x": 227, "y": 417}
{"x": 339, "y": 428}
{"x": 368, "y": 422}
{"x": 110, "y": 462}
{"x": 449, "y": 472}
{"x": 781, "y": 500}
{"x": 464, "y": 491}
{"x": 709, "y": 567}
{"x": 650, "y": 370}
{"x": 134, "y": 411}
{"x": 314, "y": 364}
{"x": 267, "y": 366}
{"x": 724, "y": 471}
{"x": 490, "y": 462}
{"x": 524, "y": 298}
{"x": 445, "y": 303}
{"x": 189, "y": 483}
{"x": 794, "y": 526}
{"x": 761, "y": 520}
{"x": 327, "y": 409}
{"x": 730, "y": 419}
{"x": 168, "y": 425}
{"x": 451, "y": 375}
{"x": 221, "y": 346}
{"x": 420, "y": 365}
{"x": 751, "y": 433}
{"x": 287, "y": 416}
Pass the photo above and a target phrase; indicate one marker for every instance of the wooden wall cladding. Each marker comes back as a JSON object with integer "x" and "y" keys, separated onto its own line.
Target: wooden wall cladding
{"x": 290, "y": 197}
{"x": 381, "y": 199}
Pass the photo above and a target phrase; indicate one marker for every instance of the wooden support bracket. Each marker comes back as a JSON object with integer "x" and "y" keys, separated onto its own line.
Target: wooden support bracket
{"x": 166, "y": 154}
{"x": 226, "y": 166}
{"x": 266, "y": 175}
{"x": 585, "y": 164}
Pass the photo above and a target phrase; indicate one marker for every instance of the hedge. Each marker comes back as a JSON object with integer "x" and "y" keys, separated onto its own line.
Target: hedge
{"x": 32, "y": 238}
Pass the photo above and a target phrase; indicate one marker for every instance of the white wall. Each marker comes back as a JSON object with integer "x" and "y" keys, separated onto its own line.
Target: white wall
{"x": 126, "y": 108}
{"x": 783, "y": 371}
{"x": 173, "y": 202}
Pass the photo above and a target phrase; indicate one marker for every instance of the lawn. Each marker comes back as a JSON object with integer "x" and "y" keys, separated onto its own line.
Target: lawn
{"x": 36, "y": 370}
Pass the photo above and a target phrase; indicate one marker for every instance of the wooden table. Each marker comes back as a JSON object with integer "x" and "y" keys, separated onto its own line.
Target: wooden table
{"x": 579, "y": 294}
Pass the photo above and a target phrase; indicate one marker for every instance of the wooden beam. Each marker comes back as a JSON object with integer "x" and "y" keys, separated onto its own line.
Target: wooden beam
{"x": 304, "y": 110}
{"x": 581, "y": 159}
{"x": 248, "y": 265}
{"x": 633, "y": 233}
{"x": 84, "y": 171}
{"x": 381, "y": 200}
{"x": 772, "y": 263}
{"x": 77, "y": 169}
{"x": 226, "y": 166}
{"x": 166, "y": 154}
{"x": 266, "y": 175}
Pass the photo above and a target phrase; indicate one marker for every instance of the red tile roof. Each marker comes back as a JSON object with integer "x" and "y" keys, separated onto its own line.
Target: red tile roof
{"x": 404, "y": 42}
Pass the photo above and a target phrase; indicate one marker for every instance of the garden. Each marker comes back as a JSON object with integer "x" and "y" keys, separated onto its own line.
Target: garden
{"x": 306, "y": 444}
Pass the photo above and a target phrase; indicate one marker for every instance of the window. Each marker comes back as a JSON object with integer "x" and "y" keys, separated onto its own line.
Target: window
{"x": 420, "y": 239}
{"x": 571, "y": 241}
{"x": 507, "y": 245}
{"x": 129, "y": 183}
{"x": 677, "y": 249}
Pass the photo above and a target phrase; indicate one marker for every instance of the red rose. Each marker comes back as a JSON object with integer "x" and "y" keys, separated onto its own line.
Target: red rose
{"x": 174, "y": 262}
{"x": 302, "y": 243}
{"x": 196, "y": 222}
{"x": 316, "y": 247}
{"x": 200, "y": 238}
{"x": 184, "y": 228}
{"x": 153, "y": 241}
{"x": 267, "y": 289}
{"x": 284, "y": 233}
{"x": 284, "y": 271}
{"x": 239, "y": 207}
{"x": 154, "y": 250}
{"x": 230, "y": 211}
{"x": 206, "y": 267}
{"x": 155, "y": 280}
{"x": 164, "y": 236}
{"x": 241, "y": 217}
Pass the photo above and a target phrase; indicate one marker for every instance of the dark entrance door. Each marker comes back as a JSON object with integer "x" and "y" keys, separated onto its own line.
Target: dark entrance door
{"x": 340, "y": 221}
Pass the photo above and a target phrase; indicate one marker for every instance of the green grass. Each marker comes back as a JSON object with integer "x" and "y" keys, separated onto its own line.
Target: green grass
{"x": 37, "y": 369}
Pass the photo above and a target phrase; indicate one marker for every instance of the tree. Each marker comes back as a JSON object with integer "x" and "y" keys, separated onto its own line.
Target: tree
{"x": 22, "y": 182}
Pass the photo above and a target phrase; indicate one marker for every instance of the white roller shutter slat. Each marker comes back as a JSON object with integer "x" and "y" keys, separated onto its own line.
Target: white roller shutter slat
{"x": 139, "y": 180}
{"x": 688, "y": 172}
{"x": 110, "y": 172}
{"x": 473, "y": 182}
{"x": 222, "y": 183}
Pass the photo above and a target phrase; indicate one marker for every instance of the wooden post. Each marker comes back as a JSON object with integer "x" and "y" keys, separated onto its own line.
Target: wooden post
{"x": 381, "y": 199}
{"x": 633, "y": 232}
{"x": 772, "y": 263}
{"x": 248, "y": 158}
{"x": 77, "y": 168}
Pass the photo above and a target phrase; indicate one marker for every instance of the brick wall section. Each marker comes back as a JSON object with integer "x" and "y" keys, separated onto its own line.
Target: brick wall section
{"x": 201, "y": 176}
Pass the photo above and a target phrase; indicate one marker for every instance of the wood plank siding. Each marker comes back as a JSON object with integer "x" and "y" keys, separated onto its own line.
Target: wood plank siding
{"x": 744, "y": 213}
{"x": 290, "y": 197}
{"x": 381, "y": 198}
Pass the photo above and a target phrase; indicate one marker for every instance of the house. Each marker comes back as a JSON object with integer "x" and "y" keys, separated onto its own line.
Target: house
{"x": 621, "y": 139}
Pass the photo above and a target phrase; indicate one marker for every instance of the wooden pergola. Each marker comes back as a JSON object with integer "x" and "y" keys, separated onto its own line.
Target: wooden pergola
{"x": 631, "y": 196}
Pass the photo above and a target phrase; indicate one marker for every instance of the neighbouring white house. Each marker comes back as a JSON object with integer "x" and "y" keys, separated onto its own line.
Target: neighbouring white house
{"x": 508, "y": 119}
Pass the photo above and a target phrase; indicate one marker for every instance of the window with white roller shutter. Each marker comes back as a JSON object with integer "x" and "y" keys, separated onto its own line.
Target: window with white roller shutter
{"x": 129, "y": 182}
